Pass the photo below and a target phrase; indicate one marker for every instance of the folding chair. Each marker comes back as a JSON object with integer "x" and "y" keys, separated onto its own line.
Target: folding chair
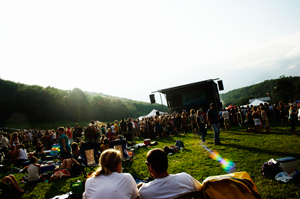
{"x": 120, "y": 145}
{"x": 191, "y": 195}
{"x": 89, "y": 154}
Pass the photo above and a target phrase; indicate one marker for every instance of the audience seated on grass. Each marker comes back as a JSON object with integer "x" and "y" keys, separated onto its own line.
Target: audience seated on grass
{"x": 108, "y": 181}
{"x": 64, "y": 171}
{"x": 165, "y": 185}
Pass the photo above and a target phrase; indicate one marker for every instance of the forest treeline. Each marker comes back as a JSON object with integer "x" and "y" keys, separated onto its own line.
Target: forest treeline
{"x": 282, "y": 89}
{"x": 23, "y": 103}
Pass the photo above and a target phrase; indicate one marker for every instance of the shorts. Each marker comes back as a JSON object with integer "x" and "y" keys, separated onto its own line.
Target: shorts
{"x": 226, "y": 122}
{"x": 194, "y": 126}
{"x": 257, "y": 122}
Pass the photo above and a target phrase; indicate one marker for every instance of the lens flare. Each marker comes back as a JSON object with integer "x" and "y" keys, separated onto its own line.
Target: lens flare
{"x": 226, "y": 164}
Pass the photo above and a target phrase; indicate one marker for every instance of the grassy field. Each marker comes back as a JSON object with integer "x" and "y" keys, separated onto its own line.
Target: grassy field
{"x": 247, "y": 150}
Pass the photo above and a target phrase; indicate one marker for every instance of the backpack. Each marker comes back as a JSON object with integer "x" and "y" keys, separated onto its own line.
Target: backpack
{"x": 238, "y": 185}
{"x": 270, "y": 170}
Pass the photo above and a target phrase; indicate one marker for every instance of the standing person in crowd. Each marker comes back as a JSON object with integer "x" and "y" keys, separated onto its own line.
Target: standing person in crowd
{"x": 123, "y": 126}
{"x": 263, "y": 116}
{"x": 193, "y": 122}
{"x": 201, "y": 124}
{"x": 77, "y": 135}
{"x": 239, "y": 117}
{"x": 116, "y": 125}
{"x": 4, "y": 143}
{"x": 250, "y": 119}
{"x": 213, "y": 119}
{"x": 113, "y": 183}
{"x": 89, "y": 134}
{"x": 256, "y": 117}
{"x": 184, "y": 124}
{"x": 69, "y": 134}
{"x": 292, "y": 118}
{"x": 178, "y": 123}
{"x": 130, "y": 130}
{"x": 65, "y": 148}
{"x": 282, "y": 112}
{"x": 158, "y": 128}
{"x": 225, "y": 115}
{"x": 165, "y": 185}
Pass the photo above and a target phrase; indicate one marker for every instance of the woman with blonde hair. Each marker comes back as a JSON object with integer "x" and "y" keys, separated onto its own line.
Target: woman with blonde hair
{"x": 108, "y": 181}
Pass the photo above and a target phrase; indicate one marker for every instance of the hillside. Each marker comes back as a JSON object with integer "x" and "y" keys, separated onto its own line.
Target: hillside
{"x": 24, "y": 103}
{"x": 281, "y": 89}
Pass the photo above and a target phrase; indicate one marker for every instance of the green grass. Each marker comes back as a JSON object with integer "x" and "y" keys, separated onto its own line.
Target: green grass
{"x": 248, "y": 150}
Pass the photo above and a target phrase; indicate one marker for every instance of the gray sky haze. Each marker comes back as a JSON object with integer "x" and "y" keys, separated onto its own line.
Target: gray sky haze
{"x": 131, "y": 48}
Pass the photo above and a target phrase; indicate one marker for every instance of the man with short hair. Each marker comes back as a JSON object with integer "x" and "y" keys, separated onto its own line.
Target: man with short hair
{"x": 213, "y": 119}
{"x": 165, "y": 185}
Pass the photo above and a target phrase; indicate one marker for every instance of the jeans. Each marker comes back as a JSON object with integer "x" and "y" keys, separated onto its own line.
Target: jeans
{"x": 203, "y": 132}
{"x": 216, "y": 128}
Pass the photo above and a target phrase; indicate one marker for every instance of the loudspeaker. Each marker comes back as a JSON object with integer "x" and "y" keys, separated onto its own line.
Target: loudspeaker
{"x": 220, "y": 85}
{"x": 152, "y": 98}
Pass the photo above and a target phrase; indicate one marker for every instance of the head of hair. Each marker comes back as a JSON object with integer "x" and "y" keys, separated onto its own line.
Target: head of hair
{"x": 33, "y": 160}
{"x": 158, "y": 160}
{"x": 109, "y": 161}
{"x": 74, "y": 146}
{"x": 192, "y": 111}
{"x": 61, "y": 129}
{"x": 22, "y": 146}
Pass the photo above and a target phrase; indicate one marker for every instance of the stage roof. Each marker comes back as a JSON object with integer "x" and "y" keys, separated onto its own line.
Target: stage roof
{"x": 167, "y": 90}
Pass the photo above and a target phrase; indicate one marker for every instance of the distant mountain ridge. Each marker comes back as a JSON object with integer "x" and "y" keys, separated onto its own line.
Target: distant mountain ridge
{"x": 281, "y": 89}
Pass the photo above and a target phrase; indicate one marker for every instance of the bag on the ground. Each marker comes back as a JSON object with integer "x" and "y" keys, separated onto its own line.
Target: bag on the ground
{"x": 77, "y": 169}
{"x": 238, "y": 185}
{"x": 270, "y": 169}
{"x": 77, "y": 189}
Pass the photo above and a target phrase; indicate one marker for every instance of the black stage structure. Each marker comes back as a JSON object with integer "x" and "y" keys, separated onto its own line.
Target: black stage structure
{"x": 193, "y": 96}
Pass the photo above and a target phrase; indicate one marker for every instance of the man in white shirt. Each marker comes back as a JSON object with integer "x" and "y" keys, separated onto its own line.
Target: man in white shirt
{"x": 4, "y": 143}
{"x": 165, "y": 185}
{"x": 225, "y": 115}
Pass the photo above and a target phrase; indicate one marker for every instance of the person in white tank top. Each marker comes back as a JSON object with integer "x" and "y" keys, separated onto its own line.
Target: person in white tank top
{"x": 34, "y": 171}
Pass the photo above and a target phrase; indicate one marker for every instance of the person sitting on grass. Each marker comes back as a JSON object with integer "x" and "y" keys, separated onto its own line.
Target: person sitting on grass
{"x": 64, "y": 171}
{"x": 75, "y": 151}
{"x": 39, "y": 150}
{"x": 165, "y": 185}
{"x": 34, "y": 171}
{"x": 12, "y": 155}
{"x": 12, "y": 181}
{"x": 109, "y": 181}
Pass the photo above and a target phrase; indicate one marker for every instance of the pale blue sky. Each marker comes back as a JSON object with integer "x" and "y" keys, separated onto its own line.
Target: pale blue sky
{"x": 131, "y": 48}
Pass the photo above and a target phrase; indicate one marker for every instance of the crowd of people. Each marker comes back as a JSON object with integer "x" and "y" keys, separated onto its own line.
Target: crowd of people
{"x": 15, "y": 147}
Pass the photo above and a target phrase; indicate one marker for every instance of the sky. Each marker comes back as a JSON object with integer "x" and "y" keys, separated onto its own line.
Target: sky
{"x": 130, "y": 48}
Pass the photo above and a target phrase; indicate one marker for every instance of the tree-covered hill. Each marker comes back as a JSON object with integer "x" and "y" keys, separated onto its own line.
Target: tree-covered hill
{"x": 281, "y": 89}
{"x": 24, "y": 103}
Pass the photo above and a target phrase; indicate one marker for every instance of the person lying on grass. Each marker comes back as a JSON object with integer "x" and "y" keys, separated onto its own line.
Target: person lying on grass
{"x": 12, "y": 181}
{"x": 64, "y": 171}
